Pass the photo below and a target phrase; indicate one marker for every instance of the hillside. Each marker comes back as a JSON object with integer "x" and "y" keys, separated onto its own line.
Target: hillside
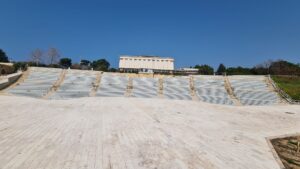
{"x": 289, "y": 84}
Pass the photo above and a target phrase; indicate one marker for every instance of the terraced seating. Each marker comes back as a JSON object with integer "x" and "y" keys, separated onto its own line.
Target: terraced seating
{"x": 76, "y": 84}
{"x": 249, "y": 90}
{"x": 253, "y": 90}
{"x": 145, "y": 87}
{"x": 211, "y": 89}
{"x": 112, "y": 85}
{"x": 177, "y": 88}
{"x": 38, "y": 83}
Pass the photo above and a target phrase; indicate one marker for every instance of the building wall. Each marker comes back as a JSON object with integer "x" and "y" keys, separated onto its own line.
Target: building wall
{"x": 6, "y": 68}
{"x": 6, "y": 81}
{"x": 140, "y": 62}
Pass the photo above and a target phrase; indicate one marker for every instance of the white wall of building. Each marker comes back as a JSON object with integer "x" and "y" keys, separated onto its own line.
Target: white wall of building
{"x": 142, "y": 62}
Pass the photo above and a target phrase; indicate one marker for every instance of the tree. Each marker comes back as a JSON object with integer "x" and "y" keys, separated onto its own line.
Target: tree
{"x": 65, "y": 62}
{"x": 282, "y": 67}
{"x": 112, "y": 70}
{"x": 101, "y": 65}
{"x": 85, "y": 62}
{"x": 221, "y": 69}
{"x": 36, "y": 56}
{"x": 279, "y": 67}
{"x": 76, "y": 66}
{"x": 238, "y": 71}
{"x": 53, "y": 55}
{"x": 3, "y": 56}
{"x": 259, "y": 70}
{"x": 205, "y": 69}
{"x": 20, "y": 66}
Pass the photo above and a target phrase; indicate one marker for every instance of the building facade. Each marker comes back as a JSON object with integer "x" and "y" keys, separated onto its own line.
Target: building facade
{"x": 146, "y": 64}
{"x": 186, "y": 71}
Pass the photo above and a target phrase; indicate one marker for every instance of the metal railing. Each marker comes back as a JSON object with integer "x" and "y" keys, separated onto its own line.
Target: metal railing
{"x": 282, "y": 93}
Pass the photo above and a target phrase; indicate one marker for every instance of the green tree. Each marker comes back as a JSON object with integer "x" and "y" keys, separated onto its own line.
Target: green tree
{"x": 282, "y": 67}
{"x": 221, "y": 69}
{"x": 85, "y": 62}
{"x": 20, "y": 66}
{"x": 101, "y": 65}
{"x": 65, "y": 62}
{"x": 112, "y": 70}
{"x": 259, "y": 70}
{"x": 238, "y": 71}
{"x": 3, "y": 56}
{"x": 205, "y": 69}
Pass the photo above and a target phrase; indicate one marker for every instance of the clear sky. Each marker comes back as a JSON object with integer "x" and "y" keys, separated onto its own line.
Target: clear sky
{"x": 233, "y": 32}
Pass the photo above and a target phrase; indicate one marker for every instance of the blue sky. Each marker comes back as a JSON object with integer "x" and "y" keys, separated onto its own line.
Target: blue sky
{"x": 233, "y": 32}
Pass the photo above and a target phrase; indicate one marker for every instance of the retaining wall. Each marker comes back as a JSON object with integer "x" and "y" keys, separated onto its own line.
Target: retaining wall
{"x": 9, "y": 79}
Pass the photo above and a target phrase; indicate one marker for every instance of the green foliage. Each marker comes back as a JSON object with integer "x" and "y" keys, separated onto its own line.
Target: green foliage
{"x": 112, "y": 70}
{"x": 279, "y": 67}
{"x": 239, "y": 71}
{"x": 35, "y": 64}
{"x": 221, "y": 69}
{"x": 100, "y": 64}
{"x": 260, "y": 71}
{"x": 75, "y": 66}
{"x": 85, "y": 62}
{"x": 20, "y": 66}
{"x": 282, "y": 67}
{"x": 85, "y": 65}
{"x": 205, "y": 69}
{"x": 3, "y": 56}
{"x": 65, "y": 62}
{"x": 289, "y": 84}
{"x": 54, "y": 66}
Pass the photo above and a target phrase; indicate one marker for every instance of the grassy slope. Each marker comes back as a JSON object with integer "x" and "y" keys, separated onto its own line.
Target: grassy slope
{"x": 291, "y": 85}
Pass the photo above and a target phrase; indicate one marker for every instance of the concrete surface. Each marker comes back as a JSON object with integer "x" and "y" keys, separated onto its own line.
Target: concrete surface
{"x": 135, "y": 133}
{"x": 7, "y": 80}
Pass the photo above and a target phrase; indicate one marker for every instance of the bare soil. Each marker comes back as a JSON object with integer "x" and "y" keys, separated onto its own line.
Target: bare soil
{"x": 288, "y": 150}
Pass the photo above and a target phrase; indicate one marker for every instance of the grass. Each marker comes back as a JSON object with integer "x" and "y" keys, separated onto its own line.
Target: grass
{"x": 289, "y": 84}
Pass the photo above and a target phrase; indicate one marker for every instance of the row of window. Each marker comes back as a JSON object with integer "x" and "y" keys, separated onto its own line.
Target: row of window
{"x": 146, "y": 60}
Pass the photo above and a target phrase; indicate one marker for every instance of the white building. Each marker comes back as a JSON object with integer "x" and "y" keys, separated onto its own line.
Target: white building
{"x": 186, "y": 71}
{"x": 148, "y": 64}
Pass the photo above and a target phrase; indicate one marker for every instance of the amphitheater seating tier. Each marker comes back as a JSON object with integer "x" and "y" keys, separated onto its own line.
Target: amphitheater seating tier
{"x": 249, "y": 90}
{"x": 38, "y": 83}
{"x": 253, "y": 90}
{"x": 145, "y": 87}
{"x": 211, "y": 89}
{"x": 177, "y": 88}
{"x": 112, "y": 85}
{"x": 76, "y": 84}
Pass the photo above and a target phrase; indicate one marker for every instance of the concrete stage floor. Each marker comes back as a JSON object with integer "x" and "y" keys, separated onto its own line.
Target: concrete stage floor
{"x": 120, "y": 133}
